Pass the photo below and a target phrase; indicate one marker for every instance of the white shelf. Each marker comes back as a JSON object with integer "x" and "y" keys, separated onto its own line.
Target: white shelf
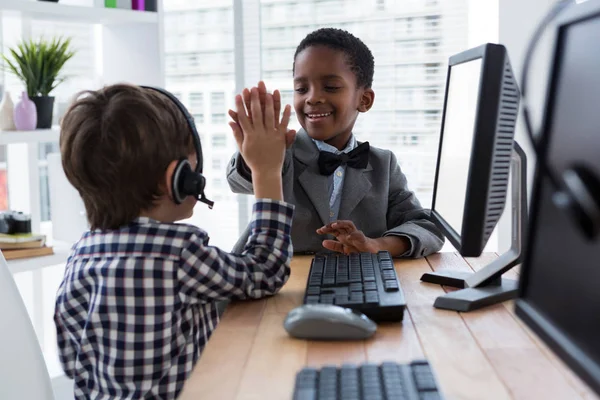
{"x": 95, "y": 15}
{"x": 61, "y": 252}
{"x": 35, "y": 136}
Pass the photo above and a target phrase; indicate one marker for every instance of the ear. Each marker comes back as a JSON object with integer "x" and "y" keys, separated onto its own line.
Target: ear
{"x": 366, "y": 100}
{"x": 169, "y": 178}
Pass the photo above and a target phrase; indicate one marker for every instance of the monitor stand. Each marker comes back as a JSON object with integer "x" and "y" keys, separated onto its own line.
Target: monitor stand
{"x": 487, "y": 286}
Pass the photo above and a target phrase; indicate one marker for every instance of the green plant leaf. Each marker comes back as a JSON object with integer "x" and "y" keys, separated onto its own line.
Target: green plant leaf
{"x": 38, "y": 63}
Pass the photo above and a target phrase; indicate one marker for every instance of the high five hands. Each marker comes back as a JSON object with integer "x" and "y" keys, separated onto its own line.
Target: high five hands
{"x": 281, "y": 121}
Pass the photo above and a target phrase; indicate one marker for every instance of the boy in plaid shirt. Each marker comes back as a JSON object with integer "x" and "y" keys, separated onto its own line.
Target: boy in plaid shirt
{"x": 138, "y": 300}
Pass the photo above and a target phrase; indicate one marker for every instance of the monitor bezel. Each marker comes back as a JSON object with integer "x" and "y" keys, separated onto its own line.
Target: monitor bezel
{"x": 468, "y": 242}
{"x": 576, "y": 359}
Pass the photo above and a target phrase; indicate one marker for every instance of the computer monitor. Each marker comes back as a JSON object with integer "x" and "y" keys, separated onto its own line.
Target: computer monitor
{"x": 476, "y": 153}
{"x": 476, "y": 142}
{"x": 559, "y": 287}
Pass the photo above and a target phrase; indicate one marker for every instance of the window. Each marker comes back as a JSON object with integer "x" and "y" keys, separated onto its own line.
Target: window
{"x": 432, "y": 47}
{"x": 218, "y": 118}
{"x": 409, "y": 82}
{"x": 197, "y": 102}
{"x": 410, "y": 139}
{"x": 406, "y": 48}
{"x": 217, "y": 100}
{"x": 219, "y": 140}
{"x": 432, "y": 21}
{"x": 203, "y": 74}
{"x": 216, "y": 184}
{"x": 404, "y": 97}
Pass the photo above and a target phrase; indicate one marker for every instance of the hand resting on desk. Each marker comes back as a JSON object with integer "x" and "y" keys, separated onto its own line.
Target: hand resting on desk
{"x": 349, "y": 239}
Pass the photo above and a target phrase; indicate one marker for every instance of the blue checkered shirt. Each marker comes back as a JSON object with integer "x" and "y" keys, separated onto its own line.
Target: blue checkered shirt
{"x": 336, "y": 180}
{"x": 137, "y": 304}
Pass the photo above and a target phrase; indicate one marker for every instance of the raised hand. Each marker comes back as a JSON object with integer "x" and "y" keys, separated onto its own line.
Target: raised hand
{"x": 262, "y": 93}
{"x": 261, "y": 141}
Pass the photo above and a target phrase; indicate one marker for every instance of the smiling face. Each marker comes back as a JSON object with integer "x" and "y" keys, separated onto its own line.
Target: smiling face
{"x": 326, "y": 97}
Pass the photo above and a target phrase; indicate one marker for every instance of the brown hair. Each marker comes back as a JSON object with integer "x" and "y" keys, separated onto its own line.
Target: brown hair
{"x": 116, "y": 144}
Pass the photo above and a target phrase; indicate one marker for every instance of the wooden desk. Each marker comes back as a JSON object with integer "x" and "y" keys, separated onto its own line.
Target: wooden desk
{"x": 485, "y": 354}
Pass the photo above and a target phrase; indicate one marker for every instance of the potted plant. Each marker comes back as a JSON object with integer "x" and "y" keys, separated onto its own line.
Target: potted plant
{"x": 38, "y": 65}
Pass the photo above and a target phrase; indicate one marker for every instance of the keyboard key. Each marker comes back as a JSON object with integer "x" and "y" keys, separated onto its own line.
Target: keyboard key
{"x": 327, "y": 298}
{"x": 370, "y": 286}
{"x": 390, "y": 286}
{"x": 369, "y": 277}
{"x": 313, "y": 290}
{"x": 371, "y": 297}
{"x": 328, "y": 281}
{"x": 357, "y": 296}
{"x": 430, "y": 396}
{"x": 386, "y": 265}
{"x": 315, "y": 280}
{"x": 349, "y": 383}
{"x": 388, "y": 274}
{"x": 353, "y": 303}
{"x": 341, "y": 301}
{"x": 423, "y": 377}
{"x": 306, "y": 394}
{"x": 356, "y": 287}
{"x": 312, "y": 299}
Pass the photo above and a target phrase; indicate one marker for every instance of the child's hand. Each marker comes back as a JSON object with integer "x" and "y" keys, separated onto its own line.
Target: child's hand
{"x": 261, "y": 142}
{"x": 262, "y": 92}
{"x": 349, "y": 239}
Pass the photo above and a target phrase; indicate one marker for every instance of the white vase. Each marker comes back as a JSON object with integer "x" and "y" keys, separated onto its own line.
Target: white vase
{"x": 7, "y": 107}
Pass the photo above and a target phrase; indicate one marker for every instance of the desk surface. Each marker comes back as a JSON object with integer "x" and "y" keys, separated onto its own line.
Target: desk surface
{"x": 484, "y": 354}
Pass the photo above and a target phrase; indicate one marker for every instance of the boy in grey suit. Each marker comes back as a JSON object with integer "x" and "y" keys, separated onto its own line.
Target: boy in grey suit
{"x": 340, "y": 187}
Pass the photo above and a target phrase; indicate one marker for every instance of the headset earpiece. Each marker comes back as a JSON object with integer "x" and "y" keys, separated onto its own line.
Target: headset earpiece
{"x": 186, "y": 182}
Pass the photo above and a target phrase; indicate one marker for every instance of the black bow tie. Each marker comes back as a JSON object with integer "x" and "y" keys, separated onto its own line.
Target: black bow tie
{"x": 357, "y": 158}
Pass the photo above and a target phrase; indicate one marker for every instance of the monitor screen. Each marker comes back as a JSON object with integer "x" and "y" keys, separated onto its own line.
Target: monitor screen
{"x": 457, "y": 142}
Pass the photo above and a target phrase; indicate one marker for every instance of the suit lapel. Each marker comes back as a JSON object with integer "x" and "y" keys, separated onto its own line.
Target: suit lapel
{"x": 311, "y": 180}
{"x": 356, "y": 187}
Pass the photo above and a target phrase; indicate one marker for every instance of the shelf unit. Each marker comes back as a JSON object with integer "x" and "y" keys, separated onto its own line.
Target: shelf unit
{"x": 61, "y": 12}
{"x": 131, "y": 50}
{"x": 29, "y": 137}
{"x": 61, "y": 252}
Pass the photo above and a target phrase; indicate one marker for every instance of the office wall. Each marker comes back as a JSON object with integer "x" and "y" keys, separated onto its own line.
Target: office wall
{"x": 517, "y": 21}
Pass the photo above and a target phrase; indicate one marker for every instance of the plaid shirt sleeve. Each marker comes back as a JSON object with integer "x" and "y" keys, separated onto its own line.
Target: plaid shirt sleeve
{"x": 208, "y": 273}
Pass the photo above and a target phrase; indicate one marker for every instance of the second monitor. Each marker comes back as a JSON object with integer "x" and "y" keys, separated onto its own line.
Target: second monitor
{"x": 475, "y": 156}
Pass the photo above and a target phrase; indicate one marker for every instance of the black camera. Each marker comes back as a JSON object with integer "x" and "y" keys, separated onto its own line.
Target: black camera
{"x": 12, "y": 222}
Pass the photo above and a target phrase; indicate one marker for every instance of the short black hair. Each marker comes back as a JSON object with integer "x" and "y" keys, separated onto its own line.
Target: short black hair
{"x": 358, "y": 54}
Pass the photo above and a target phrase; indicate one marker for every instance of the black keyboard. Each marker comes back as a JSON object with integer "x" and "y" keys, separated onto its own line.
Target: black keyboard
{"x": 364, "y": 282}
{"x": 388, "y": 381}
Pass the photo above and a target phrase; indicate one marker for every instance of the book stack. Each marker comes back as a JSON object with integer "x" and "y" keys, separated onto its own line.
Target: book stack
{"x": 23, "y": 245}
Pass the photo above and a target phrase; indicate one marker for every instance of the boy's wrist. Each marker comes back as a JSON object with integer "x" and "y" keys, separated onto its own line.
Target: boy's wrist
{"x": 267, "y": 185}
{"x": 395, "y": 245}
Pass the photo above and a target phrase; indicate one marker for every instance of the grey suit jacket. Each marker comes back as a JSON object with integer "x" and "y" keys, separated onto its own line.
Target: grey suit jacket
{"x": 376, "y": 199}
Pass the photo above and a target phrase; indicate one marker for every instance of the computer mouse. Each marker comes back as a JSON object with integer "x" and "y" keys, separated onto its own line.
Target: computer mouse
{"x": 328, "y": 322}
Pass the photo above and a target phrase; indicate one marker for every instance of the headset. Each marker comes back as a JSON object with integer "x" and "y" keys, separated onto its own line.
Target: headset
{"x": 577, "y": 189}
{"x": 186, "y": 181}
